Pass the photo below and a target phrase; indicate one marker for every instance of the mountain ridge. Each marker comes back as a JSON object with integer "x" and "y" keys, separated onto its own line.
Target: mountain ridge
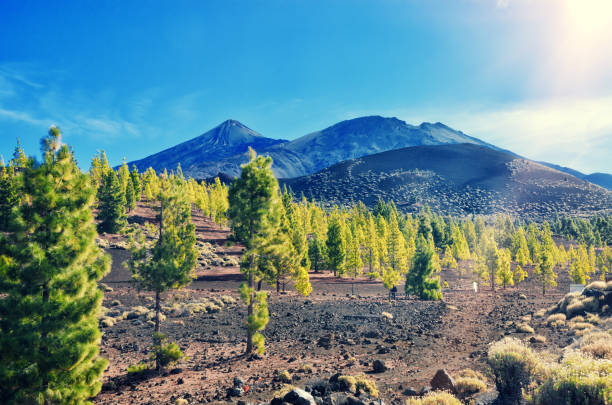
{"x": 224, "y": 148}
{"x": 458, "y": 179}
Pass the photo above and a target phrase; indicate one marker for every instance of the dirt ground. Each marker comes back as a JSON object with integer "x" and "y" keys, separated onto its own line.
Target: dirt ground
{"x": 338, "y": 328}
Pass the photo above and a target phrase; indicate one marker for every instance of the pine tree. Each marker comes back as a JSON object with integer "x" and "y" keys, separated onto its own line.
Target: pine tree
{"x": 254, "y": 214}
{"x": 136, "y": 182}
{"x": 9, "y": 195}
{"x": 544, "y": 271}
{"x": 111, "y": 205}
{"x": 335, "y": 246}
{"x": 503, "y": 274}
{"x": 171, "y": 262}
{"x": 130, "y": 196}
{"x": 396, "y": 247}
{"x": 371, "y": 246}
{"x": 99, "y": 168}
{"x": 316, "y": 253}
{"x": 418, "y": 280}
{"x": 354, "y": 262}
{"x": 519, "y": 274}
{"x": 49, "y": 297}
{"x": 123, "y": 176}
{"x": 448, "y": 261}
{"x": 20, "y": 159}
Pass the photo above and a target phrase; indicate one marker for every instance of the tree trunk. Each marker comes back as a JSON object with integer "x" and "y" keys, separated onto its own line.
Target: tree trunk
{"x": 259, "y": 285}
{"x": 249, "y": 346}
{"x": 157, "y": 311}
{"x": 277, "y": 286}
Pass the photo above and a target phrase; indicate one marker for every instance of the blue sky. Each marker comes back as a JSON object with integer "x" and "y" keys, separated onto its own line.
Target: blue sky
{"x": 135, "y": 77}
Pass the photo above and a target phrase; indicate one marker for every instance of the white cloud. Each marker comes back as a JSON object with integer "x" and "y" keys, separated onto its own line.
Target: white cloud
{"x": 571, "y": 132}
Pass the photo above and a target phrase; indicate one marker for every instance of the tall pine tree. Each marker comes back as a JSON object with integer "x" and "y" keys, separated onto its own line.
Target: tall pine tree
{"x": 255, "y": 214}
{"x": 49, "y": 297}
{"x": 418, "y": 280}
{"x": 111, "y": 204}
{"x": 171, "y": 262}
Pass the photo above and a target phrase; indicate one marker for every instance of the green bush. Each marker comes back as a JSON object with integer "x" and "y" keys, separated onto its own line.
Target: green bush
{"x": 139, "y": 368}
{"x": 514, "y": 366}
{"x": 165, "y": 354}
{"x": 579, "y": 379}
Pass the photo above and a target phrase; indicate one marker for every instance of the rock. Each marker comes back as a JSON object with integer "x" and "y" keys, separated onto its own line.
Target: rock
{"x": 320, "y": 388}
{"x": 298, "y": 396}
{"x": 337, "y": 398}
{"x": 379, "y": 366}
{"x": 235, "y": 392}
{"x": 442, "y": 381}
{"x": 238, "y": 382}
{"x": 351, "y": 400}
{"x": 425, "y": 390}
{"x": 410, "y": 392}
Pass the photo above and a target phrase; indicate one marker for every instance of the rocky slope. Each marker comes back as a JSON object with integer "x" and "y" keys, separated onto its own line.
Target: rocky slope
{"x": 455, "y": 179}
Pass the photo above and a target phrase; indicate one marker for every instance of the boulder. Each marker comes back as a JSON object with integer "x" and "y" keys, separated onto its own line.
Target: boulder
{"x": 379, "y": 366}
{"x": 298, "y": 396}
{"x": 442, "y": 381}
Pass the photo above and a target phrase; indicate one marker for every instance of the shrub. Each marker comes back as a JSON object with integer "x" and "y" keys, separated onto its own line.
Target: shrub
{"x": 165, "y": 354}
{"x": 284, "y": 376}
{"x": 107, "y": 321}
{"x": 366, "y": 385}
{"x": 514, "y": 366}
{"x": 139, "y": 368}
{"x": 387, "y": 315}
{"x": 467, "y": 386}
{"x": 556, "y": 320}
{"x": 469, "y": 382}
{"x": 537, "y": 339}
{"x": 347, "y": 383}
{"x": 524, "y": 328}
{"x": 575, "y": 308}
{"x": 578, "y": 379}
{"x": 306, "y": 368}
{"x": 597, "y": 344}
{"x": 284, "y": 390}
{"x": 435, "y": 398}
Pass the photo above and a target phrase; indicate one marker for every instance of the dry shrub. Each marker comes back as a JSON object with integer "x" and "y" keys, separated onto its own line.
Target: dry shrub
{"x": 467, "y": 386}
{"x": 514, "y": 366}
{"x": 366, "y": 385}
{"x": 592, "y": 318}
{"x": 578, "y": 327}
{"x": 358, "y": 384}
{"x": 555, "y": 318}
{"x": 435, "y": 398}
{"x": 578, "y": 379}
{"x": 537, "y": 339}
{"x": 524, "y": 328}
{"x": 284, "y": 390}
{"x": 597, "y": 344}
{"x": 284, "y": 377}
{"x": 575, "y": 308}
{"x": 596, "y": 285}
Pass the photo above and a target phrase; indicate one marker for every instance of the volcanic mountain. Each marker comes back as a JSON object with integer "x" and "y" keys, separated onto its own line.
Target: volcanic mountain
{"x": 224, "y": 148}
{"x": 455, "y": 179}
{"x": 229, "y": 139}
